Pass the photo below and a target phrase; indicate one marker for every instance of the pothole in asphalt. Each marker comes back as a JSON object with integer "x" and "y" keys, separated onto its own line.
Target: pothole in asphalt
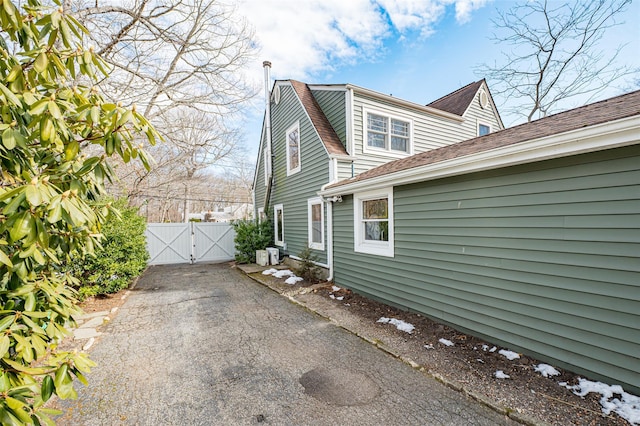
{"x": 339, "y": 387}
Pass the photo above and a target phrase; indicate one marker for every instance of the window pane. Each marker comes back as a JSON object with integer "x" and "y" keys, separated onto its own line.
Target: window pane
{"x": 279, "y": 224}
{"x": 376, "y": 231}
{"x": 376, "y": 140}
{"x": 377, "y": 123}
{"x": 316, "y": 223}
{"x": 399, "y": 128}
{"x": 399, "y": 144}
{"x": 375, "y": 209}
{"x": 294, "y": 147}
{"x": 483, "y": 130}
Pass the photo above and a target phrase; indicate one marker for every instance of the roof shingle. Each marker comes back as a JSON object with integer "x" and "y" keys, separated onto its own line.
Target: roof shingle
{"x": 617, "y": 108}
{"x": 328, "y": 135}
{"x": 457, "y": 102}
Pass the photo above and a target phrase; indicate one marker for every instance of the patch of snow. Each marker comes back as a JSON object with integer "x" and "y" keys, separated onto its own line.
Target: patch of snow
{"x": 400, "y": 325}
{"x": 546, "y": 370}
{"x": 501, "y": 375}
{"x": 335, "y": 288}
{"x": 269, "y": 271}
{"x": 446, "y": 342}
{"x": 493, "y": 349}
{"x": 332, "y": 296}
{"x": 485, "y": 347}
{"x": 480, "y": 361}
{"x": 293, "y": 280}
{"x": 627, "y": 406}
{"x": 283, "y": 273}
{"x": 347, "y": 304}
{"x": 510, "y": 355}
{"x": 429, "y": 346}
{"x": 340, "y": 298}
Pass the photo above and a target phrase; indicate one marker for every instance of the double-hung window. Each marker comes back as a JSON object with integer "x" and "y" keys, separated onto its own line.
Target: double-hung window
{"x": 293, "y": 149}
{"x": 316, "y": 223}
{"x": 278, "y": 224}
{"x": 373, "y": 222}
{"x": 387, "y": 133}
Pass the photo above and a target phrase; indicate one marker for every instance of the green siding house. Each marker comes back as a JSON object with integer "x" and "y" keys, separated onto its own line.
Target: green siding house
{"x": 528, "y": 237}
{"x": 316, "y": 135}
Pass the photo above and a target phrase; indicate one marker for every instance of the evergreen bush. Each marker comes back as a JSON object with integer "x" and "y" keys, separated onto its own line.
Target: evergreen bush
{"x": 251, "y": 235}
{"x": 121, "y": 258}
{"x": 307, "y": 268}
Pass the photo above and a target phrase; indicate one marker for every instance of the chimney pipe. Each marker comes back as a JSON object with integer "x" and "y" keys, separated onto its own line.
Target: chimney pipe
{"x": 267, "y": 115}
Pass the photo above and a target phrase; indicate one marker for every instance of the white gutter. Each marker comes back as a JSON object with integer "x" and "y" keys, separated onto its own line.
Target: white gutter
{"x": 623, "y": 132}
{"x": 419, "y": 107}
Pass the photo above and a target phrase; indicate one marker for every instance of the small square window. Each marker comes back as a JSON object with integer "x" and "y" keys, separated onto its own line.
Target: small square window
{"x": 483, "y": 129}
{"x": 373, "y": 223}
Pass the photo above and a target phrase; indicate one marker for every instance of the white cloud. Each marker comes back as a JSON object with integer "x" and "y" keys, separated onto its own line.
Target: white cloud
{"x": 301, "y": 38}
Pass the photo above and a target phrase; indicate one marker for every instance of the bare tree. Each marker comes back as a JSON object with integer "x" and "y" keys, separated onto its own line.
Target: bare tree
{"x": 553, "y": 53}
{"x": 168, "y": 54}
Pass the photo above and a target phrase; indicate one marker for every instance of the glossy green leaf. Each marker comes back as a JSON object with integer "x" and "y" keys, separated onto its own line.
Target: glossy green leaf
{"x": 41, "y": 63}
{"x": 47, "y": 388}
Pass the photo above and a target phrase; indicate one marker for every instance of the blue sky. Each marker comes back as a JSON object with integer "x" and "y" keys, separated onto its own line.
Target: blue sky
{"x": 417, "y": 50}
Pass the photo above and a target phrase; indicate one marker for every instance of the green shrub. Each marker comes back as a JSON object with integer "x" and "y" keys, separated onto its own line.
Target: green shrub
{"x": 307, "y": 269}
{"x": 251, "y": 235}
{"x": 122, "y": 257}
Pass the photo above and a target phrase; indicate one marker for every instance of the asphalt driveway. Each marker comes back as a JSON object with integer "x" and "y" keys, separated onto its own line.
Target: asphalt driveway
{"x": 204, "y": 345}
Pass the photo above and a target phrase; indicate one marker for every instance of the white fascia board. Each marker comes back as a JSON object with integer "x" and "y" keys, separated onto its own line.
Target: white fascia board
{"x": 328, "y": 87}
{"x": 623, "y": 132}
{"x": 409, "y": 104}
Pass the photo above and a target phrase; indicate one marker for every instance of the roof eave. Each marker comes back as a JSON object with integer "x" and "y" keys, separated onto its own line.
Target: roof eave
{"x": 422, "y": 108}
{"x": 614, "y": 134}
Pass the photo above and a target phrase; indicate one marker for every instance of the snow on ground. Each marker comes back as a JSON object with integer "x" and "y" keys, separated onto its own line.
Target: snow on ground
{"x": 283, "y": 273}
{"x": 501, "y": 375}
{"x": 332, "y": 296}
{"x": 510, "y": 355}
{"x": 269, "y": 271}
{"x": 293, "y": 280}
{"x": 446, "y": 342}
{"x": 400, "y": 325}
{"x": 340, "y": 298}
{"x": 429, "y": 346}
{"x": 335, "y": 288}
{"x": 546, "y": 370}
{"x": 626, "y": 406}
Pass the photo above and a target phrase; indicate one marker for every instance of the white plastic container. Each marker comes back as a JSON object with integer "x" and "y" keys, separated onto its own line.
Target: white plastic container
{"x": 274, "y": 255}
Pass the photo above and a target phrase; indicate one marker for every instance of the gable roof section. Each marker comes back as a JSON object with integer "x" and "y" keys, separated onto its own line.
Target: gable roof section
{"x": 327, "y": 134}
{"x": 620, "y": 107}
{"x": 457, "y": 102}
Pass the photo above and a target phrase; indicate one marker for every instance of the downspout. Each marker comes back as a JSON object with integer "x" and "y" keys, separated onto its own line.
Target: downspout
{"x": 267, "y": 118}
{"x": 333, "y": 173}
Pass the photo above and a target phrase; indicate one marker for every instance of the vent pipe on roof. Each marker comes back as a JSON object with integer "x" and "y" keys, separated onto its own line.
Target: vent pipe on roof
{"x": 267, "y": 119}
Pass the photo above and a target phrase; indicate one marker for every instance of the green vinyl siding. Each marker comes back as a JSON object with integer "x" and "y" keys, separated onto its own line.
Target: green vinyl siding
{"x": 332, "y": 103}
{"x": 294, "y": 191}
{"x": 541, "y": 258}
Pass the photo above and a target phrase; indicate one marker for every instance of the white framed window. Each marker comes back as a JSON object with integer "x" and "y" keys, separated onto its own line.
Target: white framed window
{"x": 373, "y": 222}
{"x": 293, "y": 149}
{"x": 483, "y": 129}
{"x": 387, "y": 133}
{"x": 315, "y": 211}
{"x": 261, "y": 215}
{"x": 278, "y": 224}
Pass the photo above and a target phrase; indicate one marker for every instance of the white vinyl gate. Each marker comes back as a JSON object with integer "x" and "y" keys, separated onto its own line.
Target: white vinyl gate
{"x": 190, "y": 242}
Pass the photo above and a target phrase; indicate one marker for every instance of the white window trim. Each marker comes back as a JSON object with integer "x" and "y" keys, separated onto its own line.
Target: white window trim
{"x": 275, "y": 224}
{"x": 260, "y": 213}
{"x": 481, "y": 123}
{"x": 386, "y": 152}
{"x": 379, "y": 248}
{"x": 311, "y": 202}
{"x": 290, "y": 171}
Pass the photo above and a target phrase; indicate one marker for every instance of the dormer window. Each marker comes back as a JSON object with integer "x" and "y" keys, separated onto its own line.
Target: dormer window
{"x": 387, "y": 133}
